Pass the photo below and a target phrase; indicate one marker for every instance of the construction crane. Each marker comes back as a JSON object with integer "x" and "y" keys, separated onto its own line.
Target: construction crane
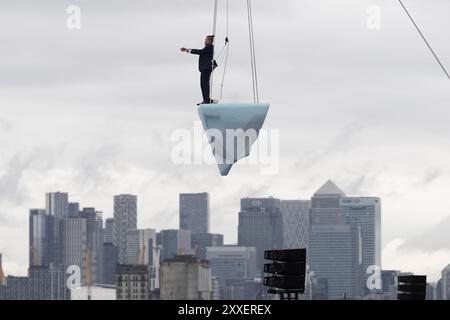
{"x": 2, "y": 274}
{"x": 35, "y": 256}
{"x": 141, "y": 259}
{"x": 88, "y": 272}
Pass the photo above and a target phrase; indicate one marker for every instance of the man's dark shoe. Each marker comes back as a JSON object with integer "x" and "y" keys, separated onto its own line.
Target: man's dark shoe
{"x": 204, "y": 102}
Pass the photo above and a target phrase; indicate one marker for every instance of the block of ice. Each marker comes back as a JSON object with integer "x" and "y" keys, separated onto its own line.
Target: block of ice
{"x": 232, "y": 129}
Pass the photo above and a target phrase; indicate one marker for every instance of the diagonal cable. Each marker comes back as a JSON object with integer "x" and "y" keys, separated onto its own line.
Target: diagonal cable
{"x": 425, "y": 40}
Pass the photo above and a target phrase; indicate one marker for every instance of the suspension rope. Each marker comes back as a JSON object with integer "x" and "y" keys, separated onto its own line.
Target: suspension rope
{"x": 252, "y": 53}
{"x": 211, "y": 81}
{"x": 227, "y": 51}
{"x": 425, "y": 40}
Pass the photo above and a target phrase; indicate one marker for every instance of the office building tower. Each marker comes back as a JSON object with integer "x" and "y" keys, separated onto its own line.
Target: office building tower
{"x": 57, "y": 204}
{"x": 132, "y": 282}
{"x": 41, "y": 228}
{"x": 295, "y": 223}
{"x": 74, "y": 209}
{"x": 232, "y": 266}
{"x": 345, "y": 239}
{"x": 365, "y": 214}
{"x": 445, "y": 283}
{"x": 174, "y": 242}
{"x": 74, "y": 244}
{"x": 431, "y": 291}
{"x": 201, "y": 241}
{"x": 57, "y": 208}
{"x": 260, "y": 226}
{"x": 185, "y": 278}
{"x": 333, "y": 245}
{"x": 110, "y": 258}
{"x": 139, "y": 246}
{"x": 125, "y": 219}
{"x": 194, "y": 212}
{"x": 333, "y": 257}
{"x": 94, "y": 241}
{"x": 109, "y": 231}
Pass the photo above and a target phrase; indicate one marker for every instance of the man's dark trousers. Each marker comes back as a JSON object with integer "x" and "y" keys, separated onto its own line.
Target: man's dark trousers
{"x": 205, "y": 77}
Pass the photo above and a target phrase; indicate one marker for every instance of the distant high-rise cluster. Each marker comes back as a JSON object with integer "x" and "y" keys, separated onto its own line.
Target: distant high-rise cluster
{"x": 75, "y": 254}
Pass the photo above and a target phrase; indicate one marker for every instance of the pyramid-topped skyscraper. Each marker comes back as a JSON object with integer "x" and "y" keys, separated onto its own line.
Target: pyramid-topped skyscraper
{"x": 328, "y": 189}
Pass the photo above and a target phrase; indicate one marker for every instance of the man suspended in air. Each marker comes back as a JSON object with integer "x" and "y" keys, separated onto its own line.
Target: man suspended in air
{"x": 206, "y": 66}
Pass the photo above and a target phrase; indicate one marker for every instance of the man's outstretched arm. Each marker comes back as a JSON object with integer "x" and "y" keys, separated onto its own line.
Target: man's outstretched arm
{"x": 197, "y": 51}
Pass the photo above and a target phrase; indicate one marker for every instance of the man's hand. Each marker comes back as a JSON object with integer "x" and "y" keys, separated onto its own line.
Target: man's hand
{"x": 184, "y": 50}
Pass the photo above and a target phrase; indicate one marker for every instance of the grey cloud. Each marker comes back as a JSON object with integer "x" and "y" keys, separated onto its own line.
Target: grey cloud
{"x": 11, "y": 185}
{"x": 5, "y": 125}
{"x": 430, "y": 176}
{"x": 338, "y": 144}
{"x": 94, "y": 165}
{"x": 432, "y": 239}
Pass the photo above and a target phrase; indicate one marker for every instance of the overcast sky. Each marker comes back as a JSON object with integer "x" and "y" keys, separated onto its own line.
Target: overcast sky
{"x": 91, "y": 112}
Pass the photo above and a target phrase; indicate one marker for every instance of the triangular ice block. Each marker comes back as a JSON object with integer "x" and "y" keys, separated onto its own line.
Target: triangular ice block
{"x": 232, "y": 129}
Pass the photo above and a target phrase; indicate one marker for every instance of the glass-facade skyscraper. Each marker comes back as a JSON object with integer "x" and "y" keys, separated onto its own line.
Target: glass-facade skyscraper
{"x": 125, "y": 219}
{"x": 345, "y": 239}
{"x": 260, "y": 226}
{"x": 194, "y": 212}
{"x": 295, "y": 223}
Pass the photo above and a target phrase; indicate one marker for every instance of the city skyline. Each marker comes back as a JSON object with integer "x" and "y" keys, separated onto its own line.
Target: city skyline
{"x": 329, "y": 185}
{"x": 344, "y": 237}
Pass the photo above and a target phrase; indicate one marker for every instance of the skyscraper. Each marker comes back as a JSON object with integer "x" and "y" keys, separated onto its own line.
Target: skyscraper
{"x": 333, "y": 244}
{"x": 109, "y": 231}
{"x": 95, "y": 237}
{"x": 74, "y": 244}
{"x": 174, "y": 242}
{"x": 109, "y": 263}
{"x": 110, "y": 253}
{"x": 364, "y": 213}
{"x": 74, "y": 209}
{"x": 57, "y": 208}
{"x": 57, "y": 204}
{"x": 345, "y": 238}
{"x": 40, "y": 238}
{"x": 232, "y": 266}
{"x": 200, "y": 241}
{"x": 125, "y": 219}
{"x": 140, "y": 246}
{"x": 194, "y": 212}
{"x": 260, "y": 226}
{"x": 295, "y": 223}
{"x": 444, "y": 283}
